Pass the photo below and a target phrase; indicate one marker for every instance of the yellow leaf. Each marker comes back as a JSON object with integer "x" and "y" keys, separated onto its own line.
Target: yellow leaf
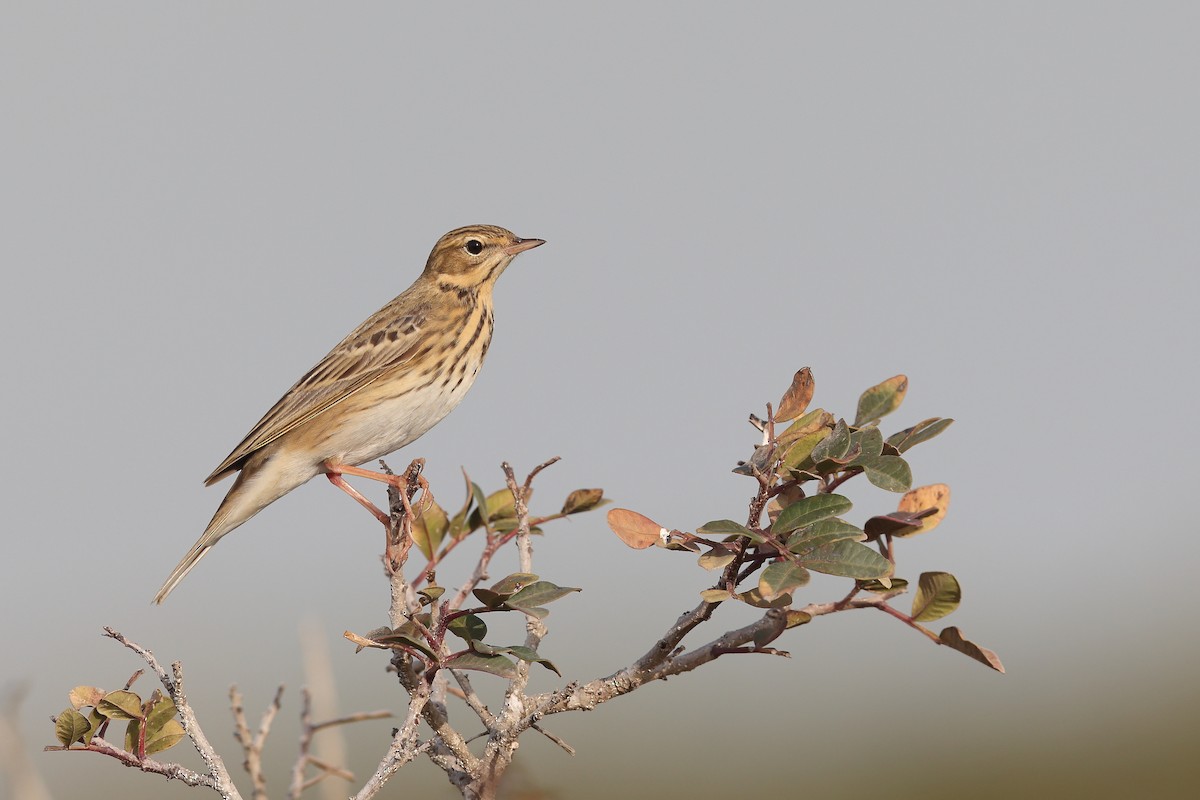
{"x": 935, "y": 495}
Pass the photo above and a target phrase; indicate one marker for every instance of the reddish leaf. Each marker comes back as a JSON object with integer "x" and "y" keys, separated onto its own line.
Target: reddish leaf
{"x": 952, "y": 637}
{"x": 796, "y": 399}
{"x": 634, "y": 529}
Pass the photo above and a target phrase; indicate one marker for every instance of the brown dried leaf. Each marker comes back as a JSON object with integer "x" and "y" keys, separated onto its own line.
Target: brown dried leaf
{"x": 362, "y": 642}
{"x": 796, "y": 399}
{"x": 634, "y": 529}
{"x": 952, "y": 637}
{"x": 582, "y": 500}
{"x": 935, "y": 495}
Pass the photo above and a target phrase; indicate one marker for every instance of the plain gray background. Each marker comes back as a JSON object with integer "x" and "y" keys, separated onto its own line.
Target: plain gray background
{"x": 999, "y": 200}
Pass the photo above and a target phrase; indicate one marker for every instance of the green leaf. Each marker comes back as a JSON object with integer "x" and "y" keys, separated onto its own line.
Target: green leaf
{"x": 717, "y": 558}
{"x": 869, "y": 442}
{"x": 95, "y": 720}
{"x": 888, "y": 472}
{"x": 834, "y": 446}
{"x": 131, "y": 735}
{"x": 528, "y": 654}
{"x": 458, "y": 523}
{"x": 848, "y": 559}
{"x": 494, "y": 664}
{"x": 539, "y": 593}
{"x": 429, "y": 529}
{"x": 761, "y": 461}
{"x": 808, "y": 510}
{"x": 488, "y": 597}
{"x": 921, "y": 432}
{"x": 763, "y": 636}
{"x": 468, "y": 627}
{"x": 498, "y": 505}
{"x": 430, "y": 593}
{"x": 821, "y": 533}
{"x": 952, "y": 637}
{"x": 816, "y": 420}
{"x": 582, "y": 500}
{"x": 404, "y": 636}
{"x": 755, "y": 598}
{"x": 798, "y": 618}
{"x": 70, "y": 726}
{"x": 897, "y": 523}
{"x": 121, "y": 704}
{"x": 162, "y": 711}
{"x": 727, "y": 527}
{"x": 886, "y": 585}
{"x": 798, "y": 456}
{"x": 511, "y": 584}
{"x": 480, "y": 515}
{"x": 938, "y": 594}
{"x": 780, "y": 578}
{"x": 168, "y": 735}
{"x": 715, "y": 595}
{"x": 881, "y": 400}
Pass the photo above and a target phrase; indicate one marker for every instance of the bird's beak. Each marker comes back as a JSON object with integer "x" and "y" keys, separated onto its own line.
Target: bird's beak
{"x": 521, "y": 245}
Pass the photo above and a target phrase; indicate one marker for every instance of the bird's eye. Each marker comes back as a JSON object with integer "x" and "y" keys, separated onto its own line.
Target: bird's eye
{"x": 474, "y": 247}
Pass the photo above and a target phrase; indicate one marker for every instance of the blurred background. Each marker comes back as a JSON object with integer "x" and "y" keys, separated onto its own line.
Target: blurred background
{"x": 1000, "y": 201}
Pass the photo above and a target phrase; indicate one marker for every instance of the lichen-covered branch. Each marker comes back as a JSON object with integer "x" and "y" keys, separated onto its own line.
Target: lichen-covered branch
{"x": 173, "y": 683}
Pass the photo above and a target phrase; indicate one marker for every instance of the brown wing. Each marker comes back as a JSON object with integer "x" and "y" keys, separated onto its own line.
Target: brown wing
{"x": 377, "y": 346}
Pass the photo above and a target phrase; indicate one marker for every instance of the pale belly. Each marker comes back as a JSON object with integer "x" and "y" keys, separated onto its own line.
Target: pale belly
{"x": 380, "y": 424}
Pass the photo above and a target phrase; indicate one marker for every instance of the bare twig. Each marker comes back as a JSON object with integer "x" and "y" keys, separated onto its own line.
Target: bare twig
{"x": 252, "y": 746}
{"x": 405, "y": 746}
{"x": 308, "y": 729}
{"x": 557, "y": 740}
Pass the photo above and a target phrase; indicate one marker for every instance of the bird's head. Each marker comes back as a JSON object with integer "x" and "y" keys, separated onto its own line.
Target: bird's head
{"x": 475, "y": 255}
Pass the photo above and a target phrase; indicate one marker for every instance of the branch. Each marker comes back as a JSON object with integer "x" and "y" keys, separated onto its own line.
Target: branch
{"x": 175, "y": 772}
{"x": 173, "y": 683}
{"x": 663, "y": 661}
{"x": 252, "y": 746}
{"x": 404, "y": 744}
{"x": 307, "y": 730}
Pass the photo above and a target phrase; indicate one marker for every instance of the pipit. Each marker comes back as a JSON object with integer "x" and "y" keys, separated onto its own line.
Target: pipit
{"x": 392, "y": 379}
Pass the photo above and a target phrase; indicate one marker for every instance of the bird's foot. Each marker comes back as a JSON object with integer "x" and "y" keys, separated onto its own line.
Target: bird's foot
{"x": 335, "y": 472}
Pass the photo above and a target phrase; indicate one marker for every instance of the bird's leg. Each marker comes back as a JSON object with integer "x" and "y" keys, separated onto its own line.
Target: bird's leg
{"x": 396, "y": 481}
{"x": 337, "y": 480}
{"x": 346, "y": 469}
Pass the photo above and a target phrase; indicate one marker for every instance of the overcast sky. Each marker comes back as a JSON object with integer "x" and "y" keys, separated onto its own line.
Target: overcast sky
{"x": 1000, "y": 201}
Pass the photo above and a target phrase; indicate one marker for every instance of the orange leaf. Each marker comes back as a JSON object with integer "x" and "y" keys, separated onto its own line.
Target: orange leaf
{"x": 936, "y": 495}
{"x": 796, "y": 399}
{"x": 635, "y": 530}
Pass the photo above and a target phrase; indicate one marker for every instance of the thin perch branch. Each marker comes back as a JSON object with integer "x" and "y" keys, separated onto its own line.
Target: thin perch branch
{"x": 252, "y": 746}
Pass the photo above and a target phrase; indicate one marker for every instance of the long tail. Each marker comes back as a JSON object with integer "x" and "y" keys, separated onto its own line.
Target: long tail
{"x": 256, "y": 487}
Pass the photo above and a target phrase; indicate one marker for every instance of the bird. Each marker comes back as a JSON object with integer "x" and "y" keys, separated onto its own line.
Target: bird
{"x": 389, "y": 381}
